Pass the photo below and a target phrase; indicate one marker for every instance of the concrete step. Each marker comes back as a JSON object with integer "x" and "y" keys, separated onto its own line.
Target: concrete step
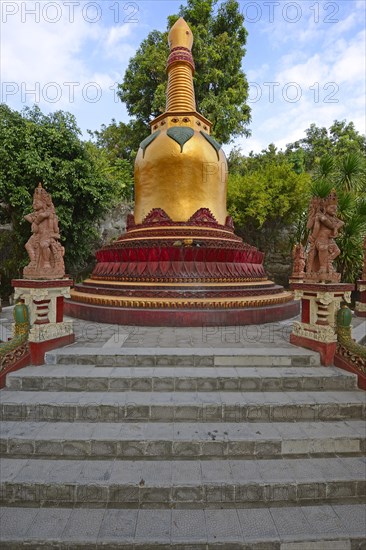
{"x": 184, "y": 357}
{"x": 149, "y": 441}
{"x": 183, "y": 483}
{"x": 182, "y": 449}
{"x": 161, "y": 379}
{"x": 182, "y": 406}
{"x": 331, "y": 527}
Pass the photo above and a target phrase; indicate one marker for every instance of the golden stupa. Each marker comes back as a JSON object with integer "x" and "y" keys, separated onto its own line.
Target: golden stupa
{"x": 180, "y": 262}
{"x": 180, "y": 167}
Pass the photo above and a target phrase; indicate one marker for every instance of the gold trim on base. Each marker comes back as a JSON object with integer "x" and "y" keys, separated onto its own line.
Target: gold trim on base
{"x": 113, "y": 281}
{"x": 157, "y": 227}
{"x": 183, "y": 303}
{"x": 173, "y": 238}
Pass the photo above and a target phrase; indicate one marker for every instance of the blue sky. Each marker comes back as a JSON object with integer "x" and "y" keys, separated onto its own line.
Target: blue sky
{"x": 305, "y": 60}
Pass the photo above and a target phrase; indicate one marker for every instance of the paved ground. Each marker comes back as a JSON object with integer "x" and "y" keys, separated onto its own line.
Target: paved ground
{"x": 100, "y": 335}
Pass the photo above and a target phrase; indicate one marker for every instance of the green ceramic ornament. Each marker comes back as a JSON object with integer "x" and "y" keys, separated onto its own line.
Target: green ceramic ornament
{"x": 146, "y": 142}
{"x": 180, "y": 134}
{"x": 344, "y": 316}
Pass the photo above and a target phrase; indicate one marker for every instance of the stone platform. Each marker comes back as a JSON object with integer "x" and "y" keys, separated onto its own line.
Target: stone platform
{"x": 199, "y": 439}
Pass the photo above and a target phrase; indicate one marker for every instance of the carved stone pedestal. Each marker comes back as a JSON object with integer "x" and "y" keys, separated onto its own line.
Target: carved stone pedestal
{"x": 45, "y": 300}
{"x": 319, "y": 305}
{"x": 360, "y": 309}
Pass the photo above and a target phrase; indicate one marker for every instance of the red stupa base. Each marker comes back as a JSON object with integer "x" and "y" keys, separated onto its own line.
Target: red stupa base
{"x": 166, "y": 273}
{"x": 182, "y": 317}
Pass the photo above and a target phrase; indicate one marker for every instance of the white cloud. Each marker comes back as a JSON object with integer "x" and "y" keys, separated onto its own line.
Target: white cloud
{"x": 116, "y": 34}
{"x": 254, "y": 75}
{"x": 308, "y": 23}
{"x": 69, "y": 53}
{"x": 335, "y": 80}
{"x": 350, "y": 63}
{"x": 42, "y": 50}
{"x": 342, "y": 26}
{"x": 305, "y": 74}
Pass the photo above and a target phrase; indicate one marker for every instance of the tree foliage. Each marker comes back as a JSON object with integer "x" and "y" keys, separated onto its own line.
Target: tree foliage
{"x": 220, "y": 84}
{"x": 271, "y": 194}
{"x": 118, "y": 144}
{"x": 265, "y": 198}
{"x": 339, "y": 140}
{"x": 47, "y": 148}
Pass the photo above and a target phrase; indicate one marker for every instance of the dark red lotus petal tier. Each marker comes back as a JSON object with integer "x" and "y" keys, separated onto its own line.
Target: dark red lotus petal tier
{"x": 180, "y": 274}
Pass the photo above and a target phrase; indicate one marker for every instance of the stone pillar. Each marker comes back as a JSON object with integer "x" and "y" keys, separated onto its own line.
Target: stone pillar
{"x": 317, "y": 328}
{"x": 360, "y": 308}
{"x": 45, "y": 300}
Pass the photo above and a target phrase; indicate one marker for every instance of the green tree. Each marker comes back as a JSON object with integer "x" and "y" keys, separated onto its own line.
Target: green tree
{"x": 340, "y": 140}
{"x": 241, "y": 164}
{"x": 220, "y": 84}
{"x": 47, "y": 148}
{"x": 114, "y": 169}
{"x": 265, "y": 204}
{"x": 271, "y": 195}
{"x": 119, "y": 140}
{"x": 118, "y": 145}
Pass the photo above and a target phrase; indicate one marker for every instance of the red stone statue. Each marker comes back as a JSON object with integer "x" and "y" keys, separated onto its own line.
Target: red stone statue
{"x": 298, "y": 255}
{"x": 43, "y": 247}
{"x": 322, "y": 248}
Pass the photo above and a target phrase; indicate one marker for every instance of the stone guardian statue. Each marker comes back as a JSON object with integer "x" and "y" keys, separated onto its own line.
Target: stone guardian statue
{"x": 322, "y": 248}
{"x": 44, "y": 249}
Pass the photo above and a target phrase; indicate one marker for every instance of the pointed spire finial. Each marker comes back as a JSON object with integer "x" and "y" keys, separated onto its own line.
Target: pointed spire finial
{"x": 180, "y": 35}
{"x": 180, "y": 67}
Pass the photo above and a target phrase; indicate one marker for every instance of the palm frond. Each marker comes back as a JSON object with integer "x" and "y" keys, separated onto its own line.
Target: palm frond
{"x": 361, "y": 207}
{"x": 326, "y": 167}
{"x": 351, "y": 172}
{"x": 346, "y": 204}
{"x": 321, "y": 188}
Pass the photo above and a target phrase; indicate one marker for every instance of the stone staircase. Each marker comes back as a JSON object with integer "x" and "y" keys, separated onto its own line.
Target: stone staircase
{"x": 185, "y": 450}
